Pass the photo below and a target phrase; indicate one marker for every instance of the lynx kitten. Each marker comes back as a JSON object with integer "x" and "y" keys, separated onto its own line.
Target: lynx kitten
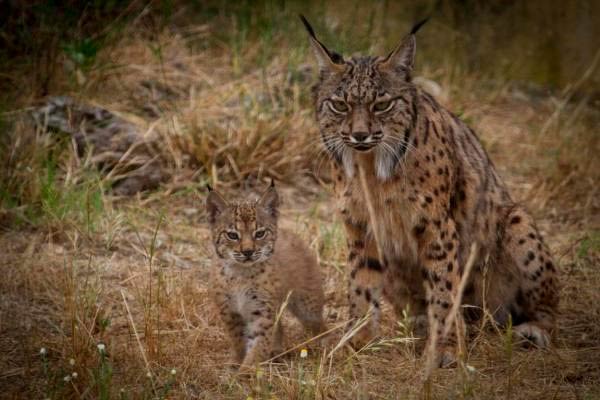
{"x": 255, "y": 268}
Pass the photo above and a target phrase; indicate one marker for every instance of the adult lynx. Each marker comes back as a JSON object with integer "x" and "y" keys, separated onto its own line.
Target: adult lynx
{"x": 429, "y": 192}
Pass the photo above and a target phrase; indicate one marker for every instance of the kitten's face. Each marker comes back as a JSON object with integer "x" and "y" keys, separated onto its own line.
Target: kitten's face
{"x": 243, "y": 232}
{"x": 366, "y": 104}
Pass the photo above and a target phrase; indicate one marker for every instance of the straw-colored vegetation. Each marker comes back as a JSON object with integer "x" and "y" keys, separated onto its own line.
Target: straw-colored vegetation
{"x": 104, "y": 296}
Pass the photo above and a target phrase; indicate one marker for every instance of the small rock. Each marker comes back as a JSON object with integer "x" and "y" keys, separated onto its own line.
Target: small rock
{"x": 190, "y": 212}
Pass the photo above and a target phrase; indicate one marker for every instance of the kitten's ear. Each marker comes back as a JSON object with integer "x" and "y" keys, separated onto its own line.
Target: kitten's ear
{"x": 328, "y": 60}
{"x": 215, "y": 205}
{"x": 403, "y": 56}
{"x": 269, "y": 201}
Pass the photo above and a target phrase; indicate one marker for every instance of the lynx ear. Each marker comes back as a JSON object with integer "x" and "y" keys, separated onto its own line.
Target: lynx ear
{"x": 328, "y": 60}
{"x": 403, "y": 56}
{"x": 215, "y": 205}
{"x": 270, "y": 200}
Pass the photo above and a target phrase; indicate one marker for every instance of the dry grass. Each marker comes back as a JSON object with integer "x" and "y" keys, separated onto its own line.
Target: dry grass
{"x": 81, "y": 268}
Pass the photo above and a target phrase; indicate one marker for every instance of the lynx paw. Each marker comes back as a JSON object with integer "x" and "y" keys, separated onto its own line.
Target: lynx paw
{"x": 447, "y": 359}
{"x": 362, "y": 338}
{"x": 533, "y": 334}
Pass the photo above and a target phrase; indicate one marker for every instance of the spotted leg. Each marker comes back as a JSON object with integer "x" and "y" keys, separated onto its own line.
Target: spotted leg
{"x": 261, "y": 333}
{"x": 438, "y": 247}
{"x": 366, "y": 282}
{"x": 234, "y": 324}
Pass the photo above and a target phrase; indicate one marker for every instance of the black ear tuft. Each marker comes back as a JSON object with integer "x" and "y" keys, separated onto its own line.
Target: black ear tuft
{"x": 331, "y": 56}
{"x": 418, "y": 25}
{"x": 209, "y": 188}
{"x": 272, "y": 183}
{"x": 308, "y": 27}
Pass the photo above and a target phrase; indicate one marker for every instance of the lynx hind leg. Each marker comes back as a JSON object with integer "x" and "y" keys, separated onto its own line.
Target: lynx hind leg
{"x": 308, "y": 308}
{"x": 537, "y": 297}
{"x": 533, "y": 333}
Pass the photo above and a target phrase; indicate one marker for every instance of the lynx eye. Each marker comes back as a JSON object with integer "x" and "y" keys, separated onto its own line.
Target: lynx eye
{"x": 231, "y": 235}
{"x": 338, "y": 106}
{"x": 260, "y": 234}
{"x": 383, "y": 106}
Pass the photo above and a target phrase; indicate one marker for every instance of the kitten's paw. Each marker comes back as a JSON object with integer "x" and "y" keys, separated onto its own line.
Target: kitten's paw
{"x": 248, "y": 371}
{"x": 328, "y": 341}
{"x": 362, "y": 338}
{"x": 447, "y": 359}
{"x": 532, "y": 334}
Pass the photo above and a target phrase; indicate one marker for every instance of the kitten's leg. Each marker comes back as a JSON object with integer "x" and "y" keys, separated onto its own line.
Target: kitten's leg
{"x": 308, "y": 308}
{"x": 438, "y": 254}
{"x": 234, "y": 324}
{"x": 260, "y": 333}
{"x": 537, "y": 297}
{"x": 366, "y": 282}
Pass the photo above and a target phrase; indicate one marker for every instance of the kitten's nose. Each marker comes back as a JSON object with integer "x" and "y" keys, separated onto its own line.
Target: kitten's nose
{"x": 248, "y": 253}
{"x": 360, "y": 136}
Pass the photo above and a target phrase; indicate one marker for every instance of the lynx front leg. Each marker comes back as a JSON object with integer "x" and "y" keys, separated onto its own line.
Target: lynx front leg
{"x": 261, "y": 335}
{"x": 235, "y": 328}
{"x": 438, "y": 246}
{"x": 234, "y": 324}
{"x": 366, "y": 283}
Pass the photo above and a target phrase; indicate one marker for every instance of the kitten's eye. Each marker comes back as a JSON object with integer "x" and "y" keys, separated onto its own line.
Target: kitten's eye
{"x": 233, "y": 235}
{"x": 338, "y": 106}
{"x": 260, "y": 234}
{"x": 383, "y": 106}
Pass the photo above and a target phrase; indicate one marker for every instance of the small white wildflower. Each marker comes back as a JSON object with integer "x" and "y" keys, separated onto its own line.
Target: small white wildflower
{"x": 71, "y": 361}
{"x": 67, "y": 378}
{"x": 471, "y": 368}
{"x": 43, "y": 351}
{"x": 303, "y": 353}
{"x": 101, "y": 347}
{"x": 173, "y": 371}
{"x": 74, "y": 375}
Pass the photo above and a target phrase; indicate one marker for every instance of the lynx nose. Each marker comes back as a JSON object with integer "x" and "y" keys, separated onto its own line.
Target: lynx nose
{"x": 360, "y": 136}
{"x": 248, "y": 253}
